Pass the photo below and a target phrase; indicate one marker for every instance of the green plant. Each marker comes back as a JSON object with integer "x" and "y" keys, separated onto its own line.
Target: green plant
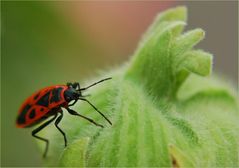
{"x": 164, "y": 113}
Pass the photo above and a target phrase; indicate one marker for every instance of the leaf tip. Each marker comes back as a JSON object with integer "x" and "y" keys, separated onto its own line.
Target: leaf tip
{"x": 200, "y": 33}
{"x": 173, "y": 14}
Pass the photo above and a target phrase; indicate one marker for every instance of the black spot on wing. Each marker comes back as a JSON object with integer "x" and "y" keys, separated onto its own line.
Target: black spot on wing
{"x": 36, "y": 96}
{"x": 21, "y": 119}
{"x": 44, "y": 100}
{"x": 32, "y": 114}
{"x": 56, "y": 95}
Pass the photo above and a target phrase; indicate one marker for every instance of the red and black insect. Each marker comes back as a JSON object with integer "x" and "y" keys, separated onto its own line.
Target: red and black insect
{"x": 49, "y": 102}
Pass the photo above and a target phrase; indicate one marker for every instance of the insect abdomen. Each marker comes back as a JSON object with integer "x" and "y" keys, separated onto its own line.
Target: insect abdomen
{"x": 40, "y": 106}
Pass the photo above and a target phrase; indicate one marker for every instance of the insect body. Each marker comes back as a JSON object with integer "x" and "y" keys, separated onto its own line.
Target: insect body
{"x": 48, "y": 102}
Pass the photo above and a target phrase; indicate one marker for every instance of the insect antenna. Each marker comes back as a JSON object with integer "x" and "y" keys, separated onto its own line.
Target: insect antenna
{"x": 95, "y": 83}
{"x": 91, "y": 103}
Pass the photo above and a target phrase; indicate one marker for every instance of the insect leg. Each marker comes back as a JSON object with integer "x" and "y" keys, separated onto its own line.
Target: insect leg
{"x": 35, "y": 131}
{"x": 72, "y": 112}
{"x": 56, "y": 124}
{"x": 73, "y": 103}
{"x": 96, "y": 109}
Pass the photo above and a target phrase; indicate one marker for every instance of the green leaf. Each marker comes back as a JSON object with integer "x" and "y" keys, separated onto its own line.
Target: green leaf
{"x": 195, "y": 84}
{"x": 184, "y": 43}
{"x": 136, "y": 138}
{"x": 75, "y": 154}
{"x": 178, "y": 157}
{"x": 198, "y": 62}
{"x": 175, "y": 14}
{"x": 195, "y": 61}
{"x": 162, "y": 113}
{"x": 152, "y": 63}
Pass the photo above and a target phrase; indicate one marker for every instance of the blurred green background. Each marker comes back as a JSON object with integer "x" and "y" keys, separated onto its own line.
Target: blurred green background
{"x": 47, "y": 43}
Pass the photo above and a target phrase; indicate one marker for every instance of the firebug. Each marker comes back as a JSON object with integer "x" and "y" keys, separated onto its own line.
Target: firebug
{"x": 49, "y": 102}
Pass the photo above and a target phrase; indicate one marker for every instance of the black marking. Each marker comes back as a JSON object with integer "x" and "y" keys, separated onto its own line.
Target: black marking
{"x": 41, "y": 109}
{"x": 21, "y": 118}
{"x": 56, "y": 95}
{"x": 32, "y": 114}
{"x": 36, "y": 96}
{"x": 44, "y": 117}
{"x": 44, "y": 100}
